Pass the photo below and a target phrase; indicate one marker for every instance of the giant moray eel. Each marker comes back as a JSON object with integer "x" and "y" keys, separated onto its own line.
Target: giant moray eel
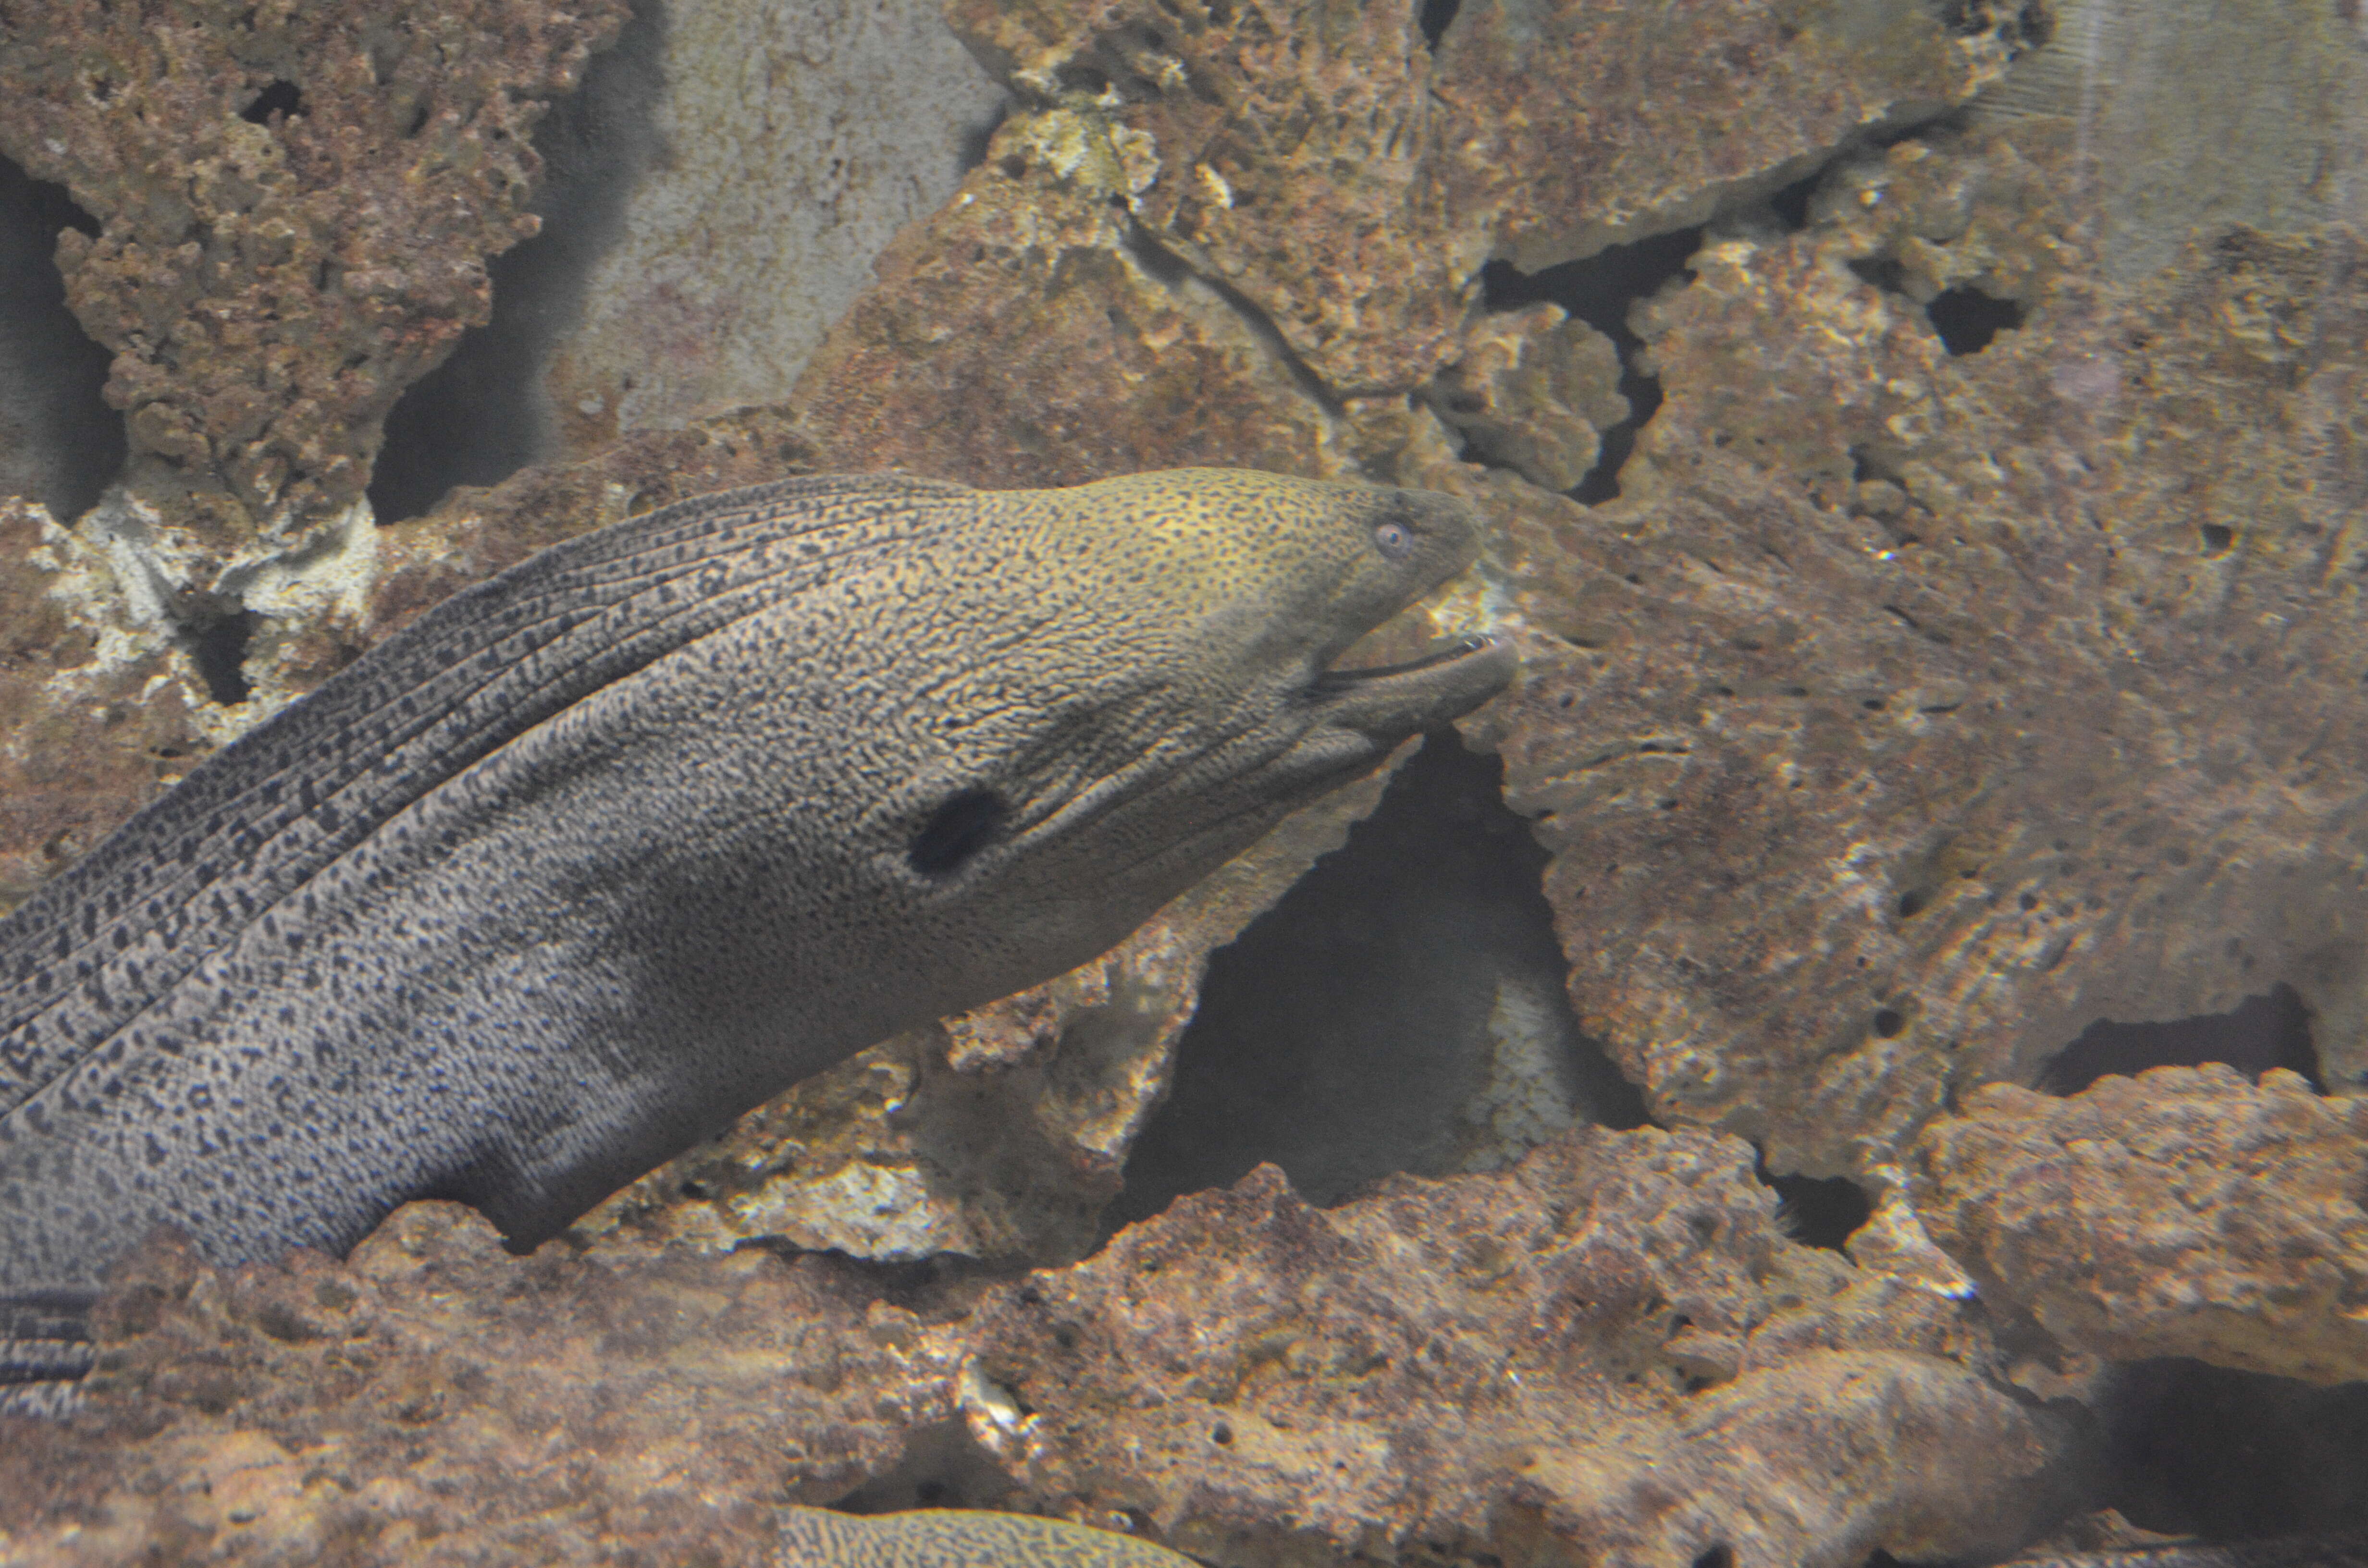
{"x": 962, "y": 1537}
{"x": 604, "y": 851}
{"x": 957, "y": 1538}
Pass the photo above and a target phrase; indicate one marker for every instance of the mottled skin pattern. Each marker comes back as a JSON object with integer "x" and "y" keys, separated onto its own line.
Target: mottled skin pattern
{"x": 959, "y": 1538}
{"x": 604, "y": 851}
{"x": 962, "y": 1537}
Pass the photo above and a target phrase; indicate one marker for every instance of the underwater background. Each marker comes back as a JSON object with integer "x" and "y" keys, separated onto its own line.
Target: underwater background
{"x": 1859, "y": 1058}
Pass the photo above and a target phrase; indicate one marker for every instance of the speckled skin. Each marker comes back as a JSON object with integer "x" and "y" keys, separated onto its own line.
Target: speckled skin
{"x": 959, "y": 1538}
{"x": 604, "y": 851}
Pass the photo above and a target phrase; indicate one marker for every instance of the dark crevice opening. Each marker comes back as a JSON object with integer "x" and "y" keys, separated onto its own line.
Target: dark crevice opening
{"x": 1438, "y": 15}
{"x": 1601, "y": 290}
{"x": 1818, "y": 1211}
{"x": 978, "y": 138}
{"x": 1790, "y": 204}
{"x": 942, "y": 1467}
{"x": 483, "y": 414}
{"x": 1365, "y": 1024}
{"x": 2259, "y": 1033}
{"x": 1884, "y": 271}
{"x": 218, "y": 647}
{"x": 2021, "y": 28}
{"x": 60, "y": 443}
{"x": 281, "y": 97}
{"x": 2229, "y": 1455}
{"x": 1968, "y": 319}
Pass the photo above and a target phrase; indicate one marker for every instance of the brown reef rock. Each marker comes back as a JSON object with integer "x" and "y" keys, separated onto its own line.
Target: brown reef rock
{"x": 87, "y": 736}
{"x": 1609, "y": 1351}
{"x": 1313, "y": 157}
{"x": 1912, "y": 711}
{"x": 295, "y": 204}
{"x": 435, "y": 1400}
{"x": 2182, "y": 1212}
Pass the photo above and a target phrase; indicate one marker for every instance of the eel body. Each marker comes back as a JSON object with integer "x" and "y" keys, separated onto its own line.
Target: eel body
{"x": 957, "y": 1538}
{"x": 602, "y": 852}
{"x": 965, "y": 1537}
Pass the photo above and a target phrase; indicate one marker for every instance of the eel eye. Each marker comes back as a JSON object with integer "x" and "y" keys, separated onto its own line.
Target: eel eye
{"x": 1394, "y": 540}
{"x": 956, "y": 831}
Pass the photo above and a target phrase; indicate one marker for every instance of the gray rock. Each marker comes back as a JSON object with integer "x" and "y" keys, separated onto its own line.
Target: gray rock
{"x": 795, "y": 137}
{"x": 2201, "y": 115}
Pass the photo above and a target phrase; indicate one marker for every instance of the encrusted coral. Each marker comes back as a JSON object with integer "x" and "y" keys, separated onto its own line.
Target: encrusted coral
{"x": 1608, "y": 1351}
{"x": 1313, "y": 154}
{"x": 2182, "y": 1212}
{"x": 1911, "y": 711}
{"x": 1607, "y": 1354}
{"x": 295, "y": 205}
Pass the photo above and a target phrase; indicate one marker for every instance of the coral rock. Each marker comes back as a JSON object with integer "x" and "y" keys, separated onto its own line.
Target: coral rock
{"x": 1533, "y": 391}
{"x": 295, "y": 205}
{"x": 1021, "y": 338}
{"x": 1800, "y": 715}
{"x": 435, "y": 1399}
{"x": 1576, "y": 124}
{"x": 2182, "y": 1212}
{"x": 1608, "y": 1353}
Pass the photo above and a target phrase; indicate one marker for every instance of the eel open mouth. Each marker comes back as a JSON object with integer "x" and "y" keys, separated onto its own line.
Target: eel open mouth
{"x": 1443, "y": 652}
{"x": 1447, "y": 682}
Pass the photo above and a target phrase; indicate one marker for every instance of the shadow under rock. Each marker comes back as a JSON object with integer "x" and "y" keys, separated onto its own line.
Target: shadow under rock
{"x": 1401, "y": 1009}
{"x": 484, "y": 413}
{"x": 2233, "y": 1456}
{"x": 60, "y": 443}
{"x": 2259, "y": 1033}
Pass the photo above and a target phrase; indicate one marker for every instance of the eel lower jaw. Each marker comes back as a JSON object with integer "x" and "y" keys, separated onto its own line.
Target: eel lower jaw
{"x": 1393, "y": 702}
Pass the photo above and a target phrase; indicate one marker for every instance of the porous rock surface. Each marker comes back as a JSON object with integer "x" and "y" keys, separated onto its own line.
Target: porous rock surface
{"x": 435, "y": 1400}
{"x": 2186, "y": 1211}
{"x": 1910, "y": 711}
{"x": 1313, "y": 154}
{"x": 294, "y": 204}
{"x": 88, "y": 733}
{"x": 1609, "y": 1352}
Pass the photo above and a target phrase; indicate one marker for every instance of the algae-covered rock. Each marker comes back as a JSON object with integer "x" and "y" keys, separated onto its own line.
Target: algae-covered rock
{"x": 2182, "y": 1212}
{"x": 1610, "y": 1350}
{"x": 1912, "y": 711}
{"x": 294, "y": 205}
